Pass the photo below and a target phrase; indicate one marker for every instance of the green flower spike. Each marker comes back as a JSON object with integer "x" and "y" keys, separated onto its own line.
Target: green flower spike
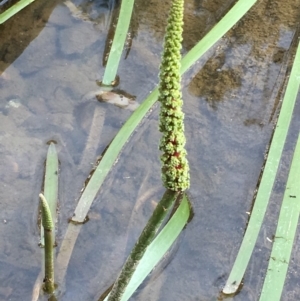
{"x": 175, "y": 168}
{"x": 49, "y": 255}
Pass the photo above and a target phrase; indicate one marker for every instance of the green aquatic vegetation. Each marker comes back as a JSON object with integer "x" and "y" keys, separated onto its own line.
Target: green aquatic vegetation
{"x": 141, "y": 245}
{"x": 117, "y": 46}
{"x": 14, "y": 10}
{"x": 267, "y": 180}
{"x": 51, "y": 185}
{"x": 159, "y": 246}
{"x": 114, "y": 149}
{"x": 285, "y": 234}
{"x": 49, "y": 256}
{"x": 109, "y": 158}
{"x": 175, "y": 167}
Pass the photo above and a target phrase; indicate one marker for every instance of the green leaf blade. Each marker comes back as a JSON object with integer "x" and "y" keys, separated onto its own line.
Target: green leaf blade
{"x": 267, "y": 180}
{"x": 110, "y": 157}
{"x": 14, "y": 10}
{"x": 143, "y": 242}
{"x": 158, "y": 248}
{"x": 285, "y": 234}
{"x": 118, "y": 42}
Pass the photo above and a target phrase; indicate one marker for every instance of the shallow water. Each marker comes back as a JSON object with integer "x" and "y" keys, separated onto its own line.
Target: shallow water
{"x": 231, "y": 99}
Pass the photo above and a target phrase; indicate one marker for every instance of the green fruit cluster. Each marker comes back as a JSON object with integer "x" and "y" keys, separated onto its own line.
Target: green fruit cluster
{"x": 175, "y": 168}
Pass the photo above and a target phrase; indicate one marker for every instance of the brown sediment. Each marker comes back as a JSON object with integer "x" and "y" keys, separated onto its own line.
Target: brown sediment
{"x": 17, "y": 33}
{"x": 254, "y": 41}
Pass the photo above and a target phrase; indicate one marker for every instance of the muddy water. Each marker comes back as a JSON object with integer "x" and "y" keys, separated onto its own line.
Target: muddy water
{"x": 47, "y": 65}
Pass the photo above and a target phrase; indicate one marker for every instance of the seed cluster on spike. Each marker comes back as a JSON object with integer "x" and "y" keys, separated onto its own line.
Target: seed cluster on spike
{"x": 46, "y": 214}
{"x": 175, "y": 168}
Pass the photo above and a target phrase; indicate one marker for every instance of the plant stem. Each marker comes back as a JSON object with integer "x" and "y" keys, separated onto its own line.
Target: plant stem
{"x": 49, "y": 256}
{"x": 51, "y": 185}
{"x": 141, "y": 245}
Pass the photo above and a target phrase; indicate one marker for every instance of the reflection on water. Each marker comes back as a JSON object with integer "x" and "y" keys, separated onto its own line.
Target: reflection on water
{"x": 228, "y": 105}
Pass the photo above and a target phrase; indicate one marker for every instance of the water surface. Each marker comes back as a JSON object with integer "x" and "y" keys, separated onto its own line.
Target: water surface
{"x": 51, "y": 57}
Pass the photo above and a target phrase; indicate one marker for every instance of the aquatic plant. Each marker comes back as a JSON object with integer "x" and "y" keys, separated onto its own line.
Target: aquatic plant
{"x": 290, "y": 208}
{"x": 49, "y": 257}
{"x": 117, "y": 46}
{"x": 122, "y": 137}
{"x": 175, "y": 167}
{"x": 267, "y": 180}
{"x": 286, "y": 232}
{"x": 141, "y": 245}
{"x": 159, "y": 247}
{"x": 108, "y": 160}
{"x": 51, "y": 185}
